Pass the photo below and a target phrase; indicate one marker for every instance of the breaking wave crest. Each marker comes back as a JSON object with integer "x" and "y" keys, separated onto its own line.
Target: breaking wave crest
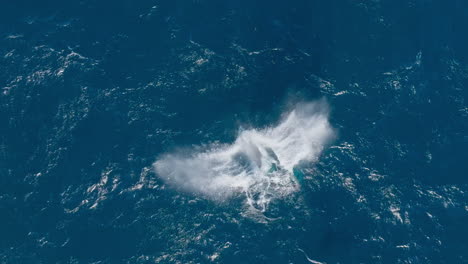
{"x": 263, "y": 164}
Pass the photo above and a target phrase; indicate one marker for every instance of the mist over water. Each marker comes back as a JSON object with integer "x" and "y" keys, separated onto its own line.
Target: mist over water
{"x": 260, "y": 164}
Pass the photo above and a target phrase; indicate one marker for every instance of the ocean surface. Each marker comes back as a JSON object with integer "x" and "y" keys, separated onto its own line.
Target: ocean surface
{"x": 222, "y": 131}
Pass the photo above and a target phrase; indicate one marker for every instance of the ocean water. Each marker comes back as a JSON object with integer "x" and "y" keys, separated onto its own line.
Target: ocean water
{"x": 210, "y": 131}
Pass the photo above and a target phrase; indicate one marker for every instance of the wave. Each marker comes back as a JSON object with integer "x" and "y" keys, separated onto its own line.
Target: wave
{"x": 262, "y": 164}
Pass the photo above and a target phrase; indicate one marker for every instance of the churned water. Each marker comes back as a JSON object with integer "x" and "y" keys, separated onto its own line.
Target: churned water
{"x": 260, "y": 162}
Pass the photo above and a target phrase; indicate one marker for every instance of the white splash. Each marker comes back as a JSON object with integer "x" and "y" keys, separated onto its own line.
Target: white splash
{"x": 260, "y": 163}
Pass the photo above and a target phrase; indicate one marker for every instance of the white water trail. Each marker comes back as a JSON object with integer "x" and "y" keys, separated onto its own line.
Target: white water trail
{"x": 260, "y": 163}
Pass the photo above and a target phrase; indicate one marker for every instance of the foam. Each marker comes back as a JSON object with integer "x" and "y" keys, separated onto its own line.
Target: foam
{"x": 259, "y": 164}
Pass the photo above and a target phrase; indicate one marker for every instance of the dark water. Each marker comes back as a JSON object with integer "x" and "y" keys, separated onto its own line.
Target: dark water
{"x": 94, "y": 92}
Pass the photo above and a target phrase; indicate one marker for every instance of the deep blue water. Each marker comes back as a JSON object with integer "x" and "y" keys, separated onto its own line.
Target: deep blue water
{"x": 93, "y": 93}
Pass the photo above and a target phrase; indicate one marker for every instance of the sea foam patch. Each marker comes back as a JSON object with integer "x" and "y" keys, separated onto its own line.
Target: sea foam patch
{"x": 261, "y": 164}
